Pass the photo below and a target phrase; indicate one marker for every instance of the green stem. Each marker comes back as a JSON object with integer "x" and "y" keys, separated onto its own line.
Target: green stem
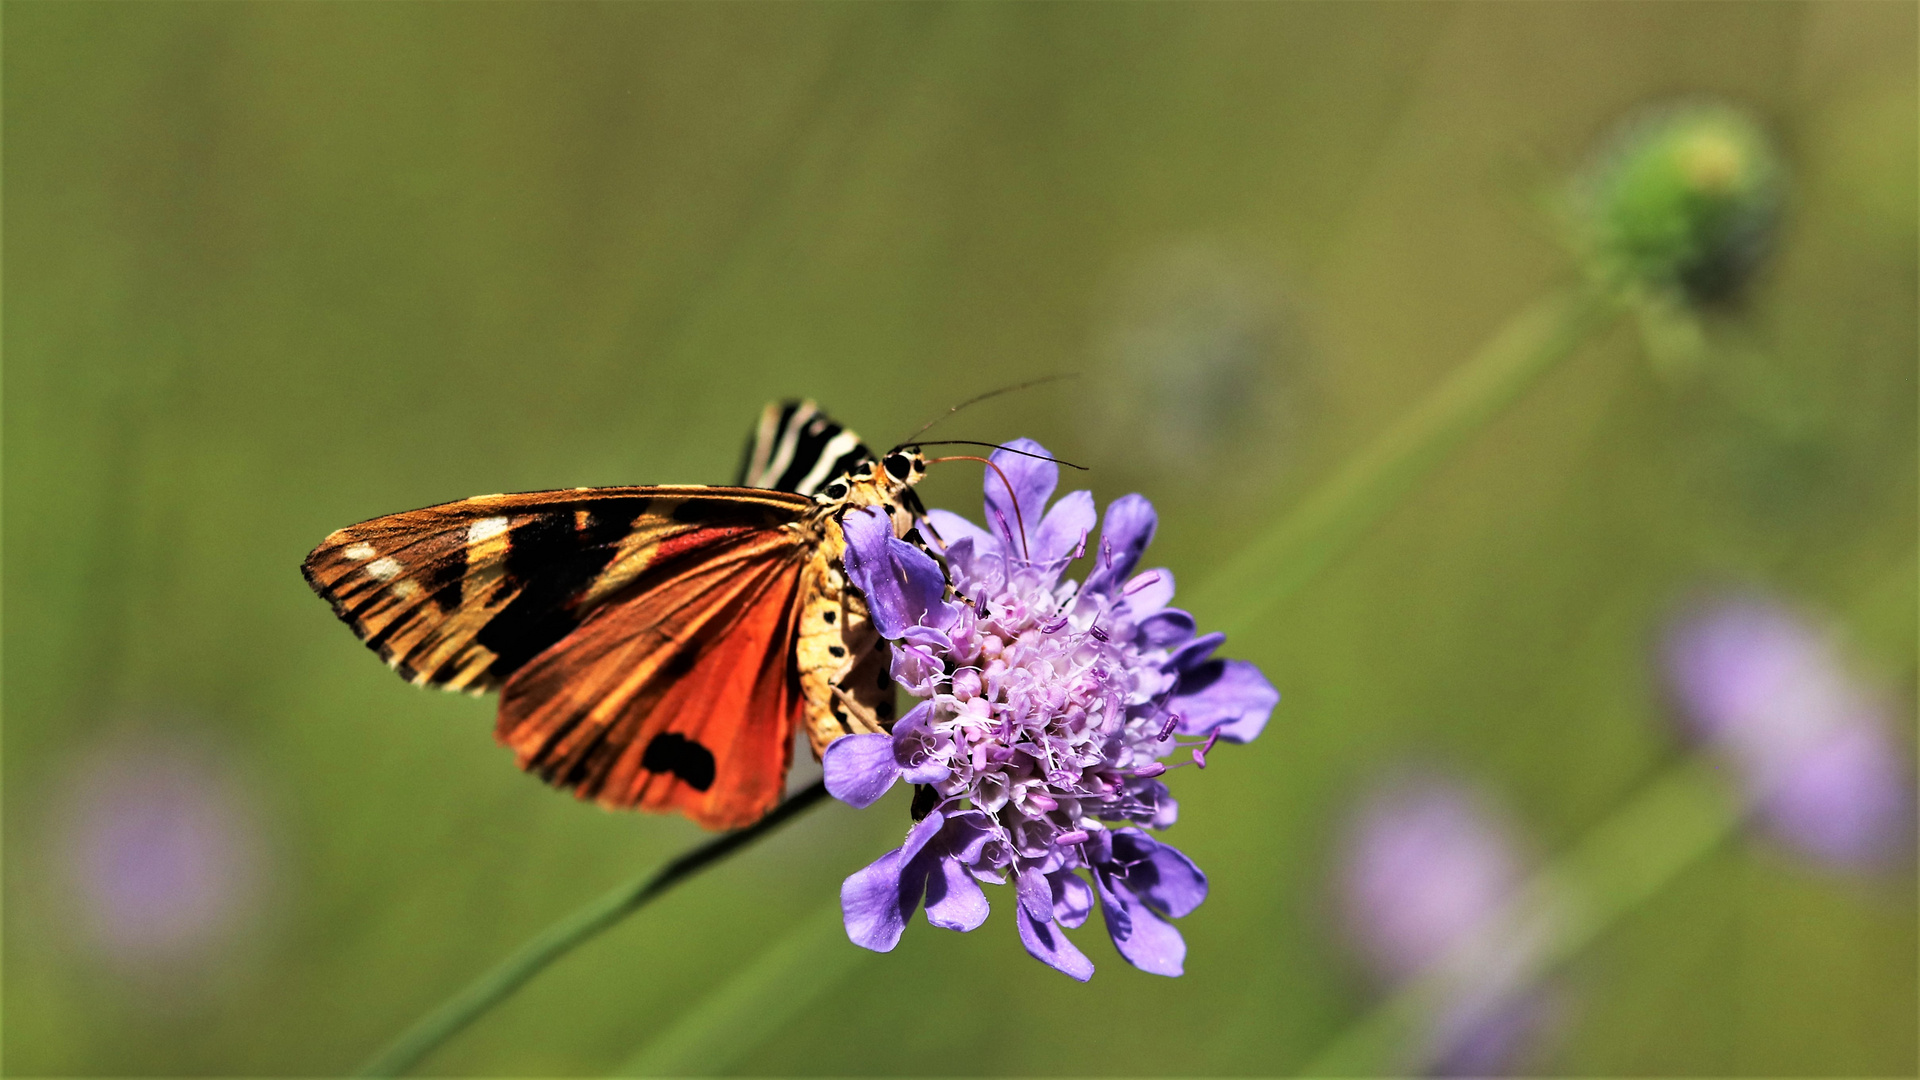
{"x": 1324, "y": 525}
{"x": 1669, "y": 825}
{"x": 562, "y": 937}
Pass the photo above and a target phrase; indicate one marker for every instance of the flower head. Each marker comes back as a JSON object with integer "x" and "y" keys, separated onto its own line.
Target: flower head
{"x": 1814, "y": 747}
{"x": 1684, "y": 199}
{"x": 1048, "y": 708}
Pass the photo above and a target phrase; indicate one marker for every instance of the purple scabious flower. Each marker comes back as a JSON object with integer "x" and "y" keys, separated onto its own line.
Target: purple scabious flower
{"x": 1428, "y": 880}
{"x": 162, "y": 851}
{"x": 1814, "y": 748}
{"x": 1048, "y": 708}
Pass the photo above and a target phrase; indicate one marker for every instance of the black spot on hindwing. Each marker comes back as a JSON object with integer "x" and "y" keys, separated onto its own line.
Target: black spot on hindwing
{"x": 673, "y": 753}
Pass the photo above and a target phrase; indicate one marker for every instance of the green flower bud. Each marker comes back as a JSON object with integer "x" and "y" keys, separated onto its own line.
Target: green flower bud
{"x": 1683, "y": 202}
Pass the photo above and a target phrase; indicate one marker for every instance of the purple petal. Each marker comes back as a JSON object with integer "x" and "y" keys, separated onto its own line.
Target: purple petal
{"x": 954, "y": 898}
{"x": 1148, "y": 592}
{"x": 871, "y": 904}
{"x": 1047, "y": 944}
{"x": 1166, "y": 630}
{"x": 1064, "y": 527}
{"x": 869, "y": 566}
{"x": 1142, "y": 938}
{"x": 877, "y": 901}
{"x": 1113, "y": 909}
{"x": 1072, "y": 898}
{"x": 953, "y": 528}
{"x": 1124, "y": 535}
{"x": 1033, "y": 480}
{"x": 1195, "y": 652}
{"x": 967, "y": 835}
{"x": 1160, "y": 874}
{"x": 860, "y": 768}
{"x": 1099, "y": 847}
{"x": 924, "y": 584}
{"x": 1166, "y": 808}
{"x": 923, "y": 831}
{"x": 1036, "y": 895}
{"x": 930, "y": 772}
{"x": 977, "y": 564}
{"x": 1228, "y": 696}
{"x": 903, "y": 584}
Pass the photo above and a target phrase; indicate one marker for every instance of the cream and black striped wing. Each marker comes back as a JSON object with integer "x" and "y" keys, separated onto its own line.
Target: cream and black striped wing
{"x": 463, "y": 594}
{"x": 798, "y": 448}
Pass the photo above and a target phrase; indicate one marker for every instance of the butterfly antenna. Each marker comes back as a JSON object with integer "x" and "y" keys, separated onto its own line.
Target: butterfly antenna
{"x": 1019, "y": 519}
{"x": 991, "y": 446}
{"x": 1042, "y": 381}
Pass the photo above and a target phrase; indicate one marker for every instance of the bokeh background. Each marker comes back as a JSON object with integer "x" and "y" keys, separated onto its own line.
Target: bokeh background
{"x": 272, "y": 269}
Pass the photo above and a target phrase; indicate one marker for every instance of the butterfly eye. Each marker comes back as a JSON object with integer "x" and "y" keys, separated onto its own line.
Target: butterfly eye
{"x": 899, "y": 466}
{"x": 837, "y": 490}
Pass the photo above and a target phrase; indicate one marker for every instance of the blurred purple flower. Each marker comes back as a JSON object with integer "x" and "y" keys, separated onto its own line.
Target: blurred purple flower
{"x": 1048, "y": 706}
{"x": 1428, "y": 879}
{"x": 161, "y": 852}
{"x": 1814, "y": 747}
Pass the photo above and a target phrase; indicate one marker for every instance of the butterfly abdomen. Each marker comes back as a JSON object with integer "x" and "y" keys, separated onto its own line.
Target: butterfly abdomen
{"x": 837, "y": 654}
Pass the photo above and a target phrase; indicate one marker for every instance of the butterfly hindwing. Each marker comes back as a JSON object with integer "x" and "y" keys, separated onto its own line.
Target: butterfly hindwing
{"x": 798, "y": 448}
{"x": 675, "y": 695}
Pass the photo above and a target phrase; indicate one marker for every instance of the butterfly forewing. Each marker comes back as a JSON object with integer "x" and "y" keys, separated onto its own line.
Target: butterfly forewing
{"x": 460, "y": 595}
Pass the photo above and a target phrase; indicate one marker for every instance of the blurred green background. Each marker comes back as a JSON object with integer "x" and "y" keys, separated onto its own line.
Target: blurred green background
{"x": 275, "y": 268}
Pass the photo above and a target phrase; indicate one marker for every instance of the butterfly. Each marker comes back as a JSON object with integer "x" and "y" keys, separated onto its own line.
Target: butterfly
{"x": 654, "y": 647}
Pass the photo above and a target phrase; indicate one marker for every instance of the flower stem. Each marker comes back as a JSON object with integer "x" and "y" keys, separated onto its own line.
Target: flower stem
{"x": 562, "y": 937}
{"x": 1673, "y": 822}
{"x": 1302, "y": 542}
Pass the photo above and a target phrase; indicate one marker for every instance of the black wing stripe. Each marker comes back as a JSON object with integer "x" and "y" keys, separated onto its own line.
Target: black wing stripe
{"x": 798, "y": 448}
{"x": 551, "y": 558}
{"x": 774, "y": 420}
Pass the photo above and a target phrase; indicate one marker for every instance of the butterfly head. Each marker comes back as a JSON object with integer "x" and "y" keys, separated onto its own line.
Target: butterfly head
{"x": 876, "y": 483}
